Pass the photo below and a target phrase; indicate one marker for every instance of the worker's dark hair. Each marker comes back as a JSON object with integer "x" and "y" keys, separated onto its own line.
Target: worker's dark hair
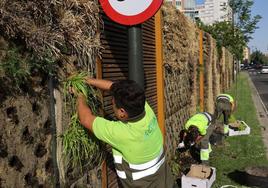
{"x": 129, "y": 96}
{"x": 192, "y": 134}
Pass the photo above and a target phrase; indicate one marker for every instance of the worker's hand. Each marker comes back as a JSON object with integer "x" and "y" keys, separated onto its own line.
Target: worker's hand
{"x": 181, "y": 145}
{"x": 88, "y": 80}
{"x": 72, "y": 91}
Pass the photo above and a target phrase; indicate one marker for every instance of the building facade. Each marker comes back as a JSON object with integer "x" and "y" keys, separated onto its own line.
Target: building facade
{"x": 187, "y": 7}
{"x": 214, "y": 11}
{"x": 246, "y": 55}
{"x": 176, "y": 3}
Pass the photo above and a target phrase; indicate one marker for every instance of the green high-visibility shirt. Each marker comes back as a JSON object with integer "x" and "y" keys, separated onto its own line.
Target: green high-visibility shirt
{"x": 200, "y": 121}
{"x": 231, "y": 99}
{"x": 137, "y": 142}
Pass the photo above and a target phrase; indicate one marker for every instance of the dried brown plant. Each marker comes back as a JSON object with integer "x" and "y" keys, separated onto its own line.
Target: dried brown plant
{"x": 54, "y": 28}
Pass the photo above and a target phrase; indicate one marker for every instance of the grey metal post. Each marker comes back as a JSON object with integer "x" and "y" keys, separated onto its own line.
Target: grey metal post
{"x": 135, "y": 55}
{"x": 56, "y": 181}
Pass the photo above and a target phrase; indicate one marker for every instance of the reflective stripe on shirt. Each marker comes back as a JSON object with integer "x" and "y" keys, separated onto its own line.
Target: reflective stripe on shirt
{"x": 208, "y": 116}
{"x": 223, "y": 97}
{"x": 121, "y": 174}
{"x": 117, "y": 159}
{"x": 145, "y": 169}
{"x": 149, "y": 171}
{"x": 146, "y": 165}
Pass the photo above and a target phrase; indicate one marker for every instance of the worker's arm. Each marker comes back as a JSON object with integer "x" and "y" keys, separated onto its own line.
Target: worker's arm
{"x": 103, "y": 129}
{"x": 234, "y": 106}
{"x": 85, "y": 114}
{"x": 199, "y": 139}
{"x": 99, "y": 83}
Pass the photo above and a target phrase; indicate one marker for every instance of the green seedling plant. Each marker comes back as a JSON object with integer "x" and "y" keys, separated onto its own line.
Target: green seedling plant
{"x": 80, "y": 148}
{"x": 78, "y": 83}
{"x": 242, "y": 126}
{"x": 15, "y": 67}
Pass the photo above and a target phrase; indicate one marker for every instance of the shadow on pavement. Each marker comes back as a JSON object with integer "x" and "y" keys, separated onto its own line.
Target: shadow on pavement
{"x": 246, "y": 179}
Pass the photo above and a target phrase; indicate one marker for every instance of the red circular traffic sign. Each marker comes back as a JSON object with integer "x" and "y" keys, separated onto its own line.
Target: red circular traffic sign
{"x": 130, "y": 12}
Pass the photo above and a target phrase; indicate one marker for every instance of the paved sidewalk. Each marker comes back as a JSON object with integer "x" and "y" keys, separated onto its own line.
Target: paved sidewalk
{"x": 262, "y": 114}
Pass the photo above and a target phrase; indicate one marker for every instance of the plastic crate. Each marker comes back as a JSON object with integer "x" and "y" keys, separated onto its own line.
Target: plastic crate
{"x": 238, "y": 133}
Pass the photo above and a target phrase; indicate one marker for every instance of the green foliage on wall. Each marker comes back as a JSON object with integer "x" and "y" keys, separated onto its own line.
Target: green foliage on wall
{"x": 15, "y": 67}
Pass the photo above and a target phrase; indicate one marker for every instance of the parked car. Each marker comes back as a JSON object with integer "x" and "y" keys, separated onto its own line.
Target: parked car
{"x": 264, "y": 70}
{"x": 242, "y": 66}
{"x": 258, "y": 66}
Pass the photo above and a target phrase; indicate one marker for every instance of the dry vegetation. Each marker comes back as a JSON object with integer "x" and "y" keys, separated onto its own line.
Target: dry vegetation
{"x": 53, "y": 29}
{"x": 37, "y": 37}
{"x": 179, "y": 36}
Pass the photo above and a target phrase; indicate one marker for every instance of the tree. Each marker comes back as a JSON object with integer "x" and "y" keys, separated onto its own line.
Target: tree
{"x": 242, "y": 17}
{"x": 244, "y": 25}
{"x": 223, "y": 32}
{"x": 257, "y": 57}
{"x": 234, "y": 34}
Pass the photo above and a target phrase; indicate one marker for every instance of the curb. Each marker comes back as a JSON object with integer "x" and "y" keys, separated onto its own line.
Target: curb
{"x": 257, "y": 93}
{"x": 261, "y": 109}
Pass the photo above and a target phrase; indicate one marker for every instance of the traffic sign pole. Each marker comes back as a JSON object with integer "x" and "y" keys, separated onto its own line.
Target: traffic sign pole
{"x": 135, "y": 55}
{"x": 132, "y": 13}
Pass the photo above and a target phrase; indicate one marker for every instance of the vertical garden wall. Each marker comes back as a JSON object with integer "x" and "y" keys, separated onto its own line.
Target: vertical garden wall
{"x": 180, "y": 47}
{"x": 190, "y": 55}
{"x": 44, "y": 40}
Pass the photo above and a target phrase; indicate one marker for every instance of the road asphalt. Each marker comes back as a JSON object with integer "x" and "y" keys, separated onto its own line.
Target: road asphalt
{"x": 261, "y": 83}
{"x": 259, "y": 88}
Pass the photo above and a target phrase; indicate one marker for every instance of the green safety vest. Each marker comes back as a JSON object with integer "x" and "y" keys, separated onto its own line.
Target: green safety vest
{"x": 199, "y": 120}
{"x": 231, "y": 99}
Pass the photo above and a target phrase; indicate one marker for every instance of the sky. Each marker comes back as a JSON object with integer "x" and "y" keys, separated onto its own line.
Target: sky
{"x": 260, "y": 37}
{"x": 199, "y": 1}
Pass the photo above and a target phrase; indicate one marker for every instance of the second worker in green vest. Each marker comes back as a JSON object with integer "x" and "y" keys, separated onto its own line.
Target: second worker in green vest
{"x": 224, "y": 105}
{"x": 196, "y": 133}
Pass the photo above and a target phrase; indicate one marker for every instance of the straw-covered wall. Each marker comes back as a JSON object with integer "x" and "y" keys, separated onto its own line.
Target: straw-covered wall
{"x": 39, "y": 38}
{"x": 61, "y": 37}
{"x": 180, "y": 62}
{"x": 181, "y": 48}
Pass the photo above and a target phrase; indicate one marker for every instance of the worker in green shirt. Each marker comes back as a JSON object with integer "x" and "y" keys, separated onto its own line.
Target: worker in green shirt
{"x": 224, "y": 105}
{"x": 136, "y": 139}
{"x": 196, "y": 133}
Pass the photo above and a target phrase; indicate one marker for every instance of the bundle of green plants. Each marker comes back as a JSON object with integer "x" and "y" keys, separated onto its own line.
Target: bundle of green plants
{"x": 238, "y": 126}
{"x": 79, "y": 85}
{"x": 81, "y": 149}
{"x": 242, "y": 126}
